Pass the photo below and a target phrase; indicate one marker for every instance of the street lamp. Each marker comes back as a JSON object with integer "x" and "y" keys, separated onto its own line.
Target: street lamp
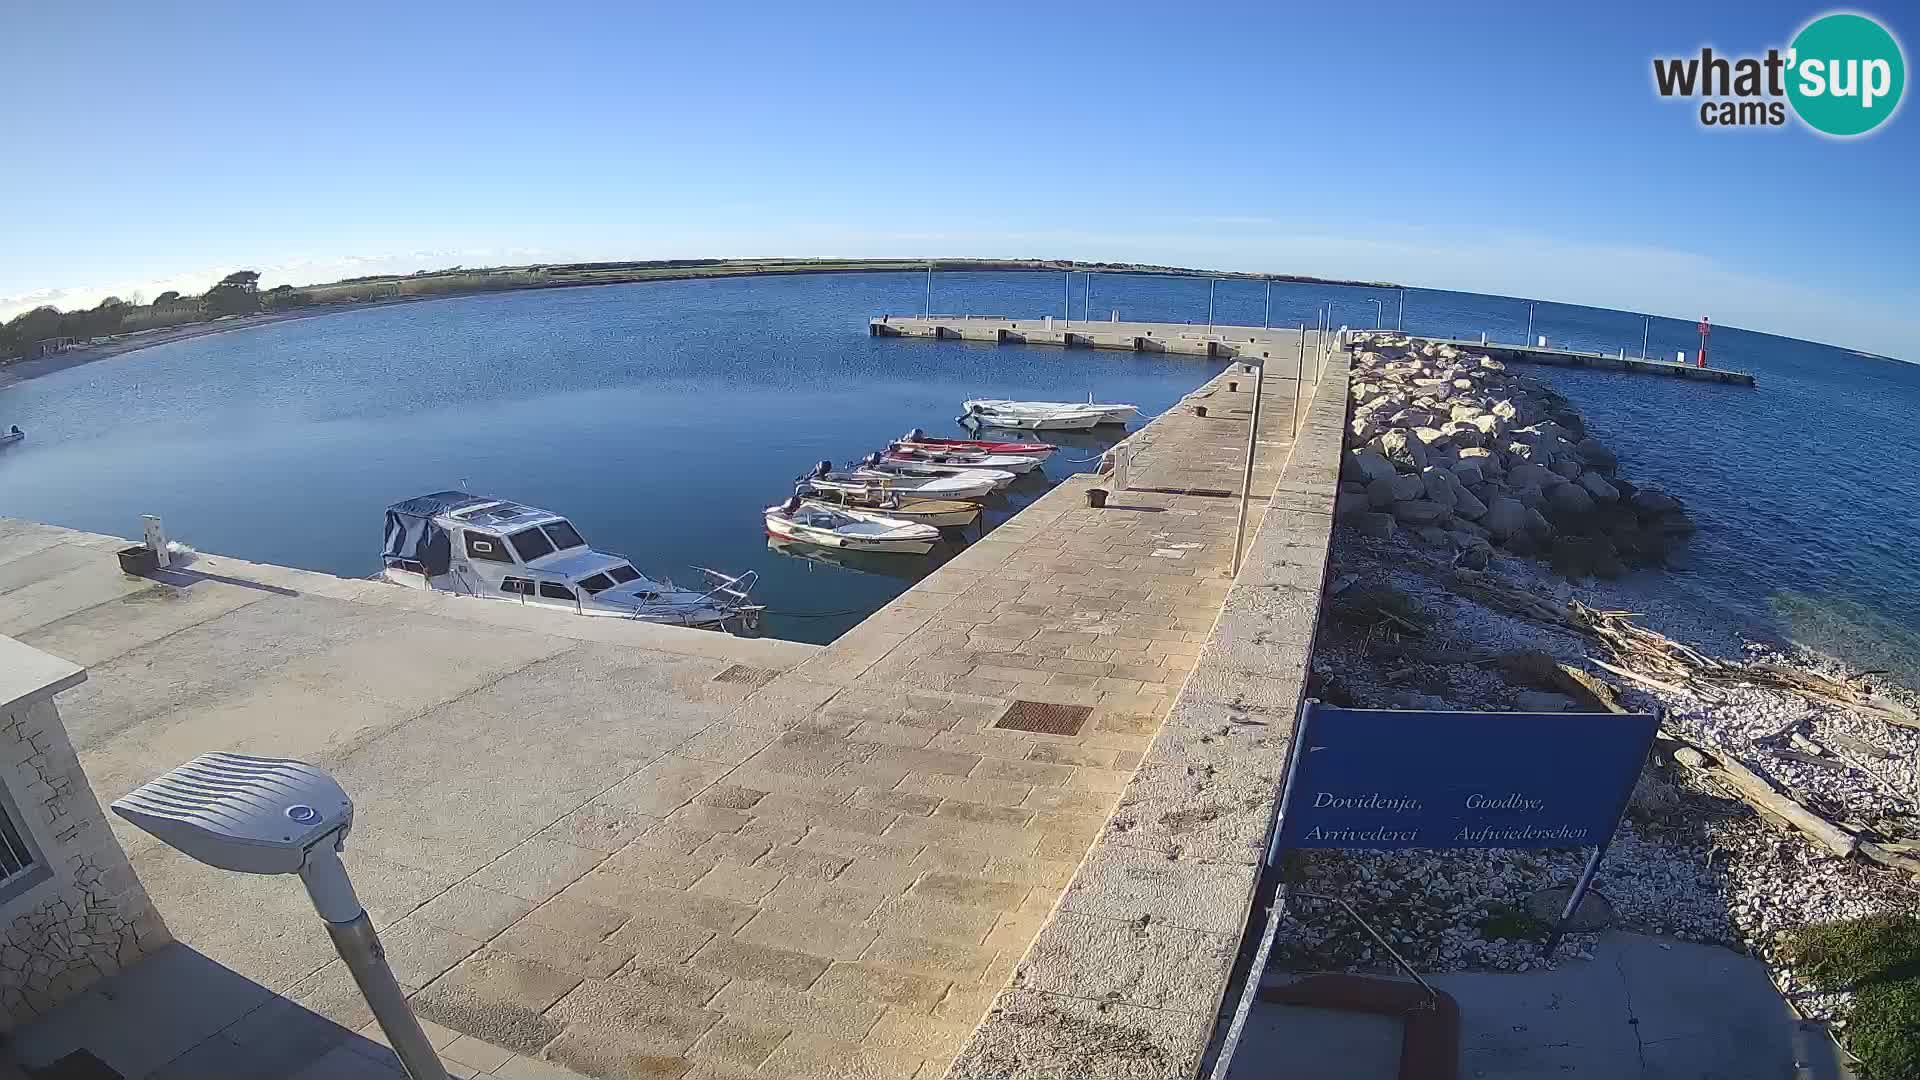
{"x": 1066, "y": 306}
{"x": 1266, "y": 317}
{"x": 927, "y": 311}
{"x": 1529, "y": 341}
{"x": 1377, "y": 309}
{"x": 1400, "y": 319}
{"x": 1646, "y": 328}
{"x": 1086, "y": 310}
{"x": 1210, "y": 284}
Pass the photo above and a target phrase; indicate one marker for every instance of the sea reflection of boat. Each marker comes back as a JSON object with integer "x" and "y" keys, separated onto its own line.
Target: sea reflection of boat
{"x": 868, "y": 562}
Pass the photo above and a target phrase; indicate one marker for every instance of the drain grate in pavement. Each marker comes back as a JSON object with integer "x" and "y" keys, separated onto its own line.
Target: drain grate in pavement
{"x": 1044, "y": 718}
{"x": 749, "y": 676}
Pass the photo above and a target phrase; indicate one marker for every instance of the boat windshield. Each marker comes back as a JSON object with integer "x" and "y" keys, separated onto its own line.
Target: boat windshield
{"x": 596, "y": 583}
{"x": 531, "y": 544}
{"x": 564, "y": 535}
{"x": 622, "y": 573}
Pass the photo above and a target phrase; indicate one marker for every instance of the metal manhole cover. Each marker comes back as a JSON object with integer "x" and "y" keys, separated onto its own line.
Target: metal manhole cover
{"x": 750, "y": 676}
{"x": 1044, "y": 718}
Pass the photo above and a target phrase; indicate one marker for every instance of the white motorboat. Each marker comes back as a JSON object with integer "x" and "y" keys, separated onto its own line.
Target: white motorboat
{"x": 1077, "y": 420}
{"x": 1109, "y": 413}
{"x": 915, "y": 487}
{"x": 12, "y": 435}
{"x": 941, "y": 513}
{"x": 1016, "y": 464}
{"x": 809, "y": 521}
{"x": 878, "y": 465}
{"x": 451, "y": 541}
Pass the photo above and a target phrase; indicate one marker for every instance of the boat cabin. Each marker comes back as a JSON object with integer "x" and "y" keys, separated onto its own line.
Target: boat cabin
{"x": 470, "y": 544}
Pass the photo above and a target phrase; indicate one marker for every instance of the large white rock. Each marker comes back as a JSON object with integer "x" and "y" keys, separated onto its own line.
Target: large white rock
{"x": 1407, "y": 453}
{"x": 1439, "y": 486}
{"x": 1420, "y": 512}
{"x": 1370, "y": 465}
{"x": 1504, "y": 518}
{"x": 1570, "y": 499}
{"x": 1467, "y": 506}
{"x": 1598, "y": 487}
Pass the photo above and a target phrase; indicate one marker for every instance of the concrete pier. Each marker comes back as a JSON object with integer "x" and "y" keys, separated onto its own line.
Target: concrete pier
{"x": 1249, "y": 342}
{"x": 1178, "y": 339}
{"x": 633, "y": 850}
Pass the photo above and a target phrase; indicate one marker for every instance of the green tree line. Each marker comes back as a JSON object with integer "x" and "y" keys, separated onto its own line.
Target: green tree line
{"x": 238, "y": 293}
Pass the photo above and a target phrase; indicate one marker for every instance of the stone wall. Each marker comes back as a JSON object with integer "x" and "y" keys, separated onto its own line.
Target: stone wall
{"x": 80, "y": 914}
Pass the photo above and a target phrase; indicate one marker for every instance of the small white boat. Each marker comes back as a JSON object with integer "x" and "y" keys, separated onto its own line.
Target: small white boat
{"x": 12, "y": 435}
{"x": 1109, "y": 413}
{"x": 940, "y": 513}
{"x": 451, "y": 541}
{"x": 1079, "y": 420}
{"x": 914, "y": 487}
{"x": 811, "y": 522}
{"x": 1013, "y": 463}
{"x": 876, "y": 465}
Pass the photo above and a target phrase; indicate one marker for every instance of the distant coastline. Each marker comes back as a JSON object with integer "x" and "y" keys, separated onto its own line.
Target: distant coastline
{"x": 359, "y": 293}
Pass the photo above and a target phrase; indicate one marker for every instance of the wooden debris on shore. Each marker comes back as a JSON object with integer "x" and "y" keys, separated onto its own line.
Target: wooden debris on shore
{"x": 1655, "y": 660}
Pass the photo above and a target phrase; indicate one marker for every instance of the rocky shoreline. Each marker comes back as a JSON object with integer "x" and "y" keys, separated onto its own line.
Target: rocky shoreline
{"x": 1537, "y": 504}
{"x": 1466, "y": 455}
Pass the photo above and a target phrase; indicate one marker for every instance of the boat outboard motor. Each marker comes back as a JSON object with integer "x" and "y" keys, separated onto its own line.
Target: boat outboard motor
{"x": 823, "y": 468}
{"x": 916, "y": 434}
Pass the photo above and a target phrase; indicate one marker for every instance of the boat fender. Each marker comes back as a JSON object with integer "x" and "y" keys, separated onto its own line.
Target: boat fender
{"x": 823, "y": 468}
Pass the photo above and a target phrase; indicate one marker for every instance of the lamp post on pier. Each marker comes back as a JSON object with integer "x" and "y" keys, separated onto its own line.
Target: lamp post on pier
{"x": 1646, "y": 328}
{"x": 1086, "y": 308}
{"x": 1529, "y": 340}
{"x": 1266, "y": 316}
{"x": 927, "y": 311}
{"x": 1378, "y": 308}
{"x": 1066, "y": 306}
{"x": 1399, "y": 320}
{"x": 1210, "y": 283}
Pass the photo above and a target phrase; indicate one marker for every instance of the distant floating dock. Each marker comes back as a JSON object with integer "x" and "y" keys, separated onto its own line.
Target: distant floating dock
{"x": 1243, "y": 342}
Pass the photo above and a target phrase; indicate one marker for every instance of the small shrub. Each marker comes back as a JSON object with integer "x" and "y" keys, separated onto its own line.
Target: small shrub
{"x": 1512, "y": 923}
{"x": 1878, "y": 958}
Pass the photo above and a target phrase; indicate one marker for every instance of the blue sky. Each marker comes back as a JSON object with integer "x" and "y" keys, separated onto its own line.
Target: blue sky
{"x": 1516, "y": 148}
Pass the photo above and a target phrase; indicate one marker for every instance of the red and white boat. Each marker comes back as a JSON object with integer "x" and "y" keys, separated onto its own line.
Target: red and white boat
{"x": 918, "y": 439}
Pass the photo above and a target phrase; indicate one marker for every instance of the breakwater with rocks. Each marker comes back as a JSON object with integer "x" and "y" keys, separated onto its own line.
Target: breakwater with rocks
{"x": 1465, "y": 454}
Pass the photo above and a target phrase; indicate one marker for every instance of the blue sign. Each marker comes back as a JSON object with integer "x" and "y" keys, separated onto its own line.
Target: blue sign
{"x": 1365, "y": 778}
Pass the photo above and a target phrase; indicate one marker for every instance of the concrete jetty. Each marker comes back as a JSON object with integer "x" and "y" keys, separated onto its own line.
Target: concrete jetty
{"x": 945, "y": 844}
{"x": 1246, "y": 342}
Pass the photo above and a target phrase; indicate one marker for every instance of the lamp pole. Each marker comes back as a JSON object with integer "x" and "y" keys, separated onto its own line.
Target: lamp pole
{"x": 1400, "y": 319}
{"x": 927, "y": 311}
{"x": 1266, "y": 316}
{"x": 1646, "y": 328}
{"x": 1210, "y": 284}
{"x": 1378, "y": 308}
{"x": 1529, "y": 341}
{"x": 1066, "y": 306}
{"x": 1086, "y": 310}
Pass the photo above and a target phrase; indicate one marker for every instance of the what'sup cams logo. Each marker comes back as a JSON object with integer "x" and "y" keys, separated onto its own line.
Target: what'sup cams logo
{"x": 1842, "y": 76}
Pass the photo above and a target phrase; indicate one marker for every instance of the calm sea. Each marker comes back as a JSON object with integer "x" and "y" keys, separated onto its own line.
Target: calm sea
{"x": 664, "y": 417}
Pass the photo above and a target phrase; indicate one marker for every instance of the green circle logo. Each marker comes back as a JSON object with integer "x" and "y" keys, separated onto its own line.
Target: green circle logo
{"x": 1846, "y": 74}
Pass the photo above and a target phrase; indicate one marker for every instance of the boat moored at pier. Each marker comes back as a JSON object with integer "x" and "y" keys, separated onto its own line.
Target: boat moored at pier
{"x": 471, "y": 545}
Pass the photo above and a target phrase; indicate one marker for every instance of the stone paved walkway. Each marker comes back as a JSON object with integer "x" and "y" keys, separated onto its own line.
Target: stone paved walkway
{"x": 830, "y": 876}
{"x": 837, "y": 878}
